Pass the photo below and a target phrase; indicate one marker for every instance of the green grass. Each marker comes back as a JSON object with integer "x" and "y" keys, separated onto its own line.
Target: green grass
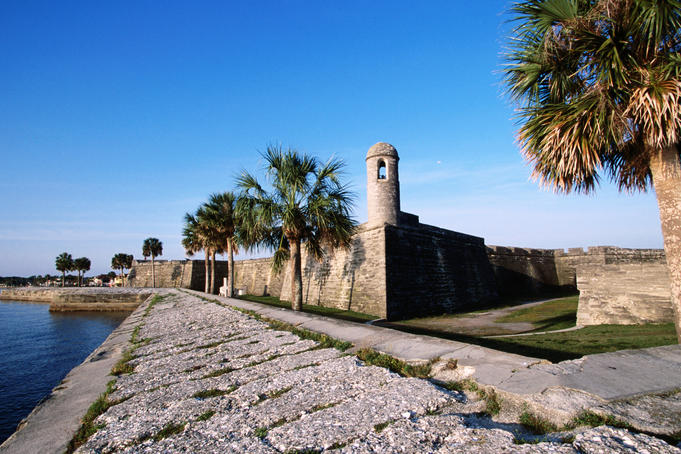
{"x": 589, "y": 418}
{"x": 549, "y": 316}
{"x": 169, "y": 430}
{"x": 260, "y": 432}
{"x": 589, "y": 340}
{"x": 206, "y": 416}
{"x": 207, "y": 394}
{"x": 87, "y": 427}
{"x": 123, "y": 365}
{"x": 319, "y": 310}
{"x": 567, "y": 345}
{"x": 537, "y": 424}
{"x": 375, "y": 358}
{"x": 156, "y": 299}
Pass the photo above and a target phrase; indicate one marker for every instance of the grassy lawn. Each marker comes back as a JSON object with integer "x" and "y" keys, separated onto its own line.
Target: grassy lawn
{"x": 319, "y": 310}
{"x": 568, "y": 345}
{"x": 589, "y": 340}
{"x": 549, "y": 316}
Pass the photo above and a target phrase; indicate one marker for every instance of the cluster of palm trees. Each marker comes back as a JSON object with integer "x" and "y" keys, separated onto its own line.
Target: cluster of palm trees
{"x": 65, "y": 263}
{"x": 302, "y": 203}
{"x": 121, "y": 261}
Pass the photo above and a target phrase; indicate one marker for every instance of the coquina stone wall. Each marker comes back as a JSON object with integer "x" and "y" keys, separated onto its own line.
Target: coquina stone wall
{"x": 352, "y": 279}
{"x": 389, "y": 271}
{"x": 175, "y": 273}
{"x": 169, "y": 273}
{"x": 433, "y": 271}
{"x": 616, "y": 285}
{"x": 632, "y": 287}
{"x": 523, "y": 272}
{"x": 255, "y": 277}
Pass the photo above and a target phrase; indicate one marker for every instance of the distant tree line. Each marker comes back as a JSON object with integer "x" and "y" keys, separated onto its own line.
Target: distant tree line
{"x": 65, "y": 263}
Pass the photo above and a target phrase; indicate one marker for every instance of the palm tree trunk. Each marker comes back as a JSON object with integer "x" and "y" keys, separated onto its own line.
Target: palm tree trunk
{"x": 206, "y": 267}
{"x": 153, "y": 273}
{"x": 296, "y": 276}
{"x": 665, "y": 167}
{"x": 212, "y": 273}
{"x": 230, "y": 271}
{"x": 63, "y": 278}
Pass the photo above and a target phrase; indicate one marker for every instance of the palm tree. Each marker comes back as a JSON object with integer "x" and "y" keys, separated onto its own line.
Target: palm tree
{"x": 306, "y": 204}
{"x": 152, "y": 247}
{"x": 199, "y": 234}
{"x": 64, "y": 263}
{"x": 214, "y": 241}
{"x": 121, "y": 261}
{"x": 221, "y": 213}
{"x": 81, "y": 264}
{"x": 599, "y": 88}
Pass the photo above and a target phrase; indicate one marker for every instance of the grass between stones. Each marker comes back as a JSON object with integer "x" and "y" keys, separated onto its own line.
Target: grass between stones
{"x": 218, "y": 372}
{"x": 206, "y": 394}
{"x": 378, "y": 428}
{"x": 398, "y": 366}
{"x": 168, "y": 430}
{"x": 87, "y": 426}
{"x": 206, "y": 416}
{"x": 539, "y": 425}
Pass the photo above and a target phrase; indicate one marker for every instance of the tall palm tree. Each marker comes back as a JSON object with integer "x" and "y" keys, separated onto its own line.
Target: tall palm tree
{"x": 307, "y": 204}
{"x": 81, "y": 264}
{"x": 214, "y": 241}
{"x": 599, "y": 88}
{"x": 64, "y": 263}
{"x": 152, "y": 247}
{"x": 199, "y": 234}
{"x": 221, "y": 213}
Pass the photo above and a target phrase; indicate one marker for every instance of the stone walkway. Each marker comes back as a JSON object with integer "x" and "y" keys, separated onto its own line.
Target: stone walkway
{"x": 211, "y": 379}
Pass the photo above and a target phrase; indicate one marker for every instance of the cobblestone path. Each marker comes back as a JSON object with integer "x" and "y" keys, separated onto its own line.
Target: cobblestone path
{"x": 208, "y": 378}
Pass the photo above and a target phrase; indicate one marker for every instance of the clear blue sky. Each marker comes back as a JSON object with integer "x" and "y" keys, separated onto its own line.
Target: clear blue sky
{"x": 116, "y": 118}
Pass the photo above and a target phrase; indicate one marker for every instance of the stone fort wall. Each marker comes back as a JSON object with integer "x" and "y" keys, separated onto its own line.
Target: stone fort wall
{"x": 174, "y": 273}
{"x": 427, "y": 271}
{"x": 616, "y": 285}
{"x": 431, "y": 271}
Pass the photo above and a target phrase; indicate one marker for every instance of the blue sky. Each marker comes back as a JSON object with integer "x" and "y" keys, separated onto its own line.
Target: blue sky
{"x": 116, "y": 118}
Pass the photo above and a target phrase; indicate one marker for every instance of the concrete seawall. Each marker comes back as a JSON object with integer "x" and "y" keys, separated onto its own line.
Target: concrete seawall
{"x": 80, "y": 299}
{"x": 52, "y": 424}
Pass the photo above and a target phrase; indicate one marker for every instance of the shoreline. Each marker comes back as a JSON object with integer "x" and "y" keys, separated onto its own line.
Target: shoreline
{"x": 52, "y": 423}
{"x": 80, "y": 298}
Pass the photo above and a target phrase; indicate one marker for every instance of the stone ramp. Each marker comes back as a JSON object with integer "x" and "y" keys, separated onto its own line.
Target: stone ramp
{"x": 210, "y": 379}
{"x": 607, "y": 383}
{"x": 229, "y": 383}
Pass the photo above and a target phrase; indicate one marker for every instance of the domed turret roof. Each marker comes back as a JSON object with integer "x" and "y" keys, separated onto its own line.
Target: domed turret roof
{"x": 382, "y": 149}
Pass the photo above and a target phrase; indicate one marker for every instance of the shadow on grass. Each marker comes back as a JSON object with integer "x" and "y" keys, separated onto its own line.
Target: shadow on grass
{"x": 332, "y": 312}
{"x": 562, "y": 321}
{"x": 496, "y": 344}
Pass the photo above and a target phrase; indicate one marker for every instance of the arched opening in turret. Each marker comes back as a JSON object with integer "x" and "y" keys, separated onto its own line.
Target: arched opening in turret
{"x": 382, "y": 173}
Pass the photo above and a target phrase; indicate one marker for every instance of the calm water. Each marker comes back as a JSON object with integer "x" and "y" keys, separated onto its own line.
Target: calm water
{"x": 38, "y": 349}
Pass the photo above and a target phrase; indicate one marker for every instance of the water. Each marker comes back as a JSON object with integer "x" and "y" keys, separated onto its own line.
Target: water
{"x": 38, "y": 349}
